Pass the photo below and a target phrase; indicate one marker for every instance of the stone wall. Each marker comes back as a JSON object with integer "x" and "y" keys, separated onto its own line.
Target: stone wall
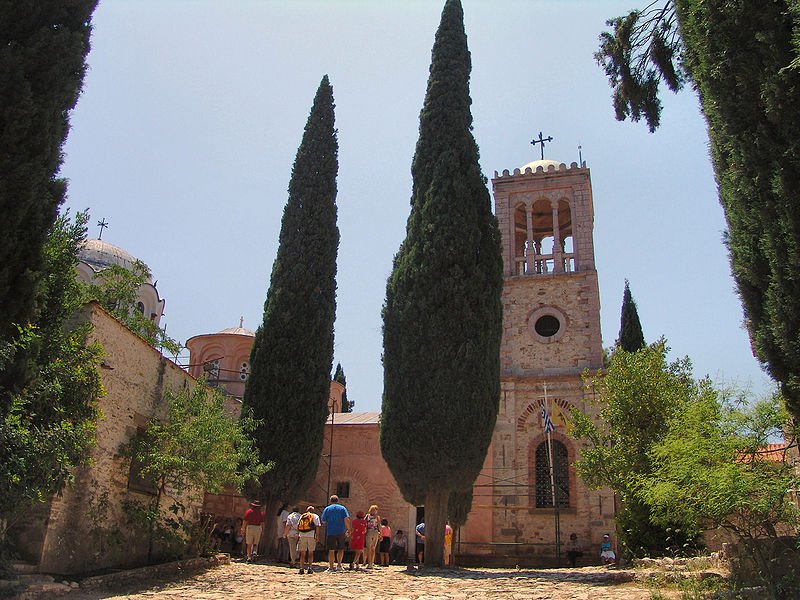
{"x": 79, "y": 535}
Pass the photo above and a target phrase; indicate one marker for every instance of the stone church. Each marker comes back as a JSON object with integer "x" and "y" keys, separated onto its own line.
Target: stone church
{"x": 551, "y": 337}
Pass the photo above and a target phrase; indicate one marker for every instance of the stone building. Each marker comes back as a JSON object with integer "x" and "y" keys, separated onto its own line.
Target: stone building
{"x": 551, "y": 337}
{"x": 84, "y": 528}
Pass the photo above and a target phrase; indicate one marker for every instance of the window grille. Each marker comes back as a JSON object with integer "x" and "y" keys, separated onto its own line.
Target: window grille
{"x": 544, "y": 494}
{"x": 343, "y": 489}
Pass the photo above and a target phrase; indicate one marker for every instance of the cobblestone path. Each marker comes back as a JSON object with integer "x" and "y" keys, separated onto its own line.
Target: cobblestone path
{"x": 250, "y": 581}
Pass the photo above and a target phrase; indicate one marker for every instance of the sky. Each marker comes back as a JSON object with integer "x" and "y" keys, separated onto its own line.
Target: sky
{"x": 192, "y": 111}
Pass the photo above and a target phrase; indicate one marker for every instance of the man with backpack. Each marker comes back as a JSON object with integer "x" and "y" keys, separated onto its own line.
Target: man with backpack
{"x": 307, "y": 533}
{"x": 290, "y": 533}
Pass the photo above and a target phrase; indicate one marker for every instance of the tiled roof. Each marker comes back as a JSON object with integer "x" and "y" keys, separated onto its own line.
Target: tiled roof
{"x": 356, "y": 418}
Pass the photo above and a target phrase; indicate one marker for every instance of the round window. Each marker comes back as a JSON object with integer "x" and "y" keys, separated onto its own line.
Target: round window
{"x": 547, "y": 326}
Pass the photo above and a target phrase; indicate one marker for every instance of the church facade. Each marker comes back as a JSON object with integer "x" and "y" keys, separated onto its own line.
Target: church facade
{"x": 551, "y": 339}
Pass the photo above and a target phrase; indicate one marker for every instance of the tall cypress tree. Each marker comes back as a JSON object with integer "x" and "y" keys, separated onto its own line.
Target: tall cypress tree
{"x": 289, "y": 384}
{"x": 442, "y": 318}
{"x": 43, "y": 47}
{"x": 631, "y": 337}
{"x": 742, "y": 58}
{"x": 339, "y": 377}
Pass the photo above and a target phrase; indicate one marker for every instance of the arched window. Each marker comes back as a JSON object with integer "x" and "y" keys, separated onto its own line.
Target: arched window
{"x": 544, "y": 493}
{"x": 521, "y": 242}
{"x": 211, "y": 368}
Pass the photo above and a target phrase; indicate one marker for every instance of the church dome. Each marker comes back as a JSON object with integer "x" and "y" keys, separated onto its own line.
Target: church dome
{"x": 100, "y": 255}
{"x": 545, "y": 164}
{"x": 238, "y": 331}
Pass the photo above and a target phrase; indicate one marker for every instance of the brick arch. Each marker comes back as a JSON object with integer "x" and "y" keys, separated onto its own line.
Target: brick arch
{"x": 534, "y": 408}
{"x": 375, "y": 494}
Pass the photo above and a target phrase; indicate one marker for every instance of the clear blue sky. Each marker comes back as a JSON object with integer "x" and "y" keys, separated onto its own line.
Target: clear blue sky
{"x": 192, "y": 112}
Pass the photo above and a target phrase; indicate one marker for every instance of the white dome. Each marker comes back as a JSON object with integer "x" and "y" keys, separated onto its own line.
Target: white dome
{"x": 545, "y": 164}
{"x": 100, "y": 255}
{"x": 238, "y": 331}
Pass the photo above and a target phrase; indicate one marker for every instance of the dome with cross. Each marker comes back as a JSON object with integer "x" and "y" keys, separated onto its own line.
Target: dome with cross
{"x": 545, "y": 164}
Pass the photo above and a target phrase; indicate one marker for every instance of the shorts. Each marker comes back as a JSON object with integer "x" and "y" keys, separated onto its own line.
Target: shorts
{"x": 252, "y": 534}
{"x": 608, "y": 554}
{"x": 336, "y": 542}
{"x": 373, "y": 535}
{"x": 386, "y": 543}
{"x": 306, "y": 544}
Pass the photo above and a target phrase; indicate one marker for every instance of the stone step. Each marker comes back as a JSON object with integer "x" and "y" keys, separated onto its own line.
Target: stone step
{"x": 23, "y": 567}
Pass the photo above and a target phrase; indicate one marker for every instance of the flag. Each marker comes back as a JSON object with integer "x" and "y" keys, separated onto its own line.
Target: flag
{"x": 547, "y": 422}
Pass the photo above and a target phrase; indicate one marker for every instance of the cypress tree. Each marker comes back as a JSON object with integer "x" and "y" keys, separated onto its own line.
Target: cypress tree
{"x": 289, "y": 384}
{"x": 43, "y": 49}
{"x": 631, "y": 337}
{"x": 442, "y": 318}
{"x": 340, "y": 377}
{"x": 742, "y": 58}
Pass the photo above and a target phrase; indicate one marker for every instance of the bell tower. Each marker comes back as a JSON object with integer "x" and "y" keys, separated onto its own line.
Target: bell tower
{"x": 551, "y": 336}
{"x": 551, "y": 299}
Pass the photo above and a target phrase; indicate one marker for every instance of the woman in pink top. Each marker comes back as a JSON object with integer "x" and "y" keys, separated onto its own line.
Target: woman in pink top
{"x": 386, "y": 542}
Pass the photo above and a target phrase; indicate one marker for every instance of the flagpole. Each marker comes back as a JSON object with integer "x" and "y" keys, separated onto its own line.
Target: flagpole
{"x": 556, "y": 512}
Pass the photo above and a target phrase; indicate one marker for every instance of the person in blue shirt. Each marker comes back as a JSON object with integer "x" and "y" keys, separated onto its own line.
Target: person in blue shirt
{"x": 337, "y": 528}
{"x": 421, "y": 542}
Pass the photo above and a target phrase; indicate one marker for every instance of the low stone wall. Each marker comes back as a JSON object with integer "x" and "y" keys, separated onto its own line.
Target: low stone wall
{"x": 38, "y": 586}
{"x": 133, "y": 576}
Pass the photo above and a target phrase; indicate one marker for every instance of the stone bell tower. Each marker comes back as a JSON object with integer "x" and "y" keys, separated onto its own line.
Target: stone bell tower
{"x": 551, "y": 336}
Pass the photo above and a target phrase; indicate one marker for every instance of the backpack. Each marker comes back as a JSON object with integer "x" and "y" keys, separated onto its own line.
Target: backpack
{"x": 306, "y": 523}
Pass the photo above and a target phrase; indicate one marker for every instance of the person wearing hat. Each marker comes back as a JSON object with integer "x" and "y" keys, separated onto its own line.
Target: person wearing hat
{"x": 607, "y": 556}
{"x": 358, "y": 539}
{"x": 252, "y": 524}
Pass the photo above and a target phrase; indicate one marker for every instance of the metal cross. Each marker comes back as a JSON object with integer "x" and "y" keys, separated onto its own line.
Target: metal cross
{"x": 541, "y": 141}
{"x": 102, "y": 225}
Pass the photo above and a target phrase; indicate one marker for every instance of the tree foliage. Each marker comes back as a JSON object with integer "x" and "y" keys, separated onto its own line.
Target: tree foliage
{"x": 289, "y": 384}
{"x": 443, "y": 316}
{"x": 42, "y": 63}
{"x": 742, "y": 58}
{"x": 115, "y": 288}
{"x": 631, "y": 336}
{"x": 339, "y": 376}
{"x": 643, "y": 50}
{"x": 637, "y": 398}
{"x": 50, "y": 423}
{"x": 712, "y": 470}
{"x": 195, "y": 448}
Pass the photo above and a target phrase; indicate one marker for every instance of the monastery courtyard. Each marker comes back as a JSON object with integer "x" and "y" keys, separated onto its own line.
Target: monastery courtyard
{"x": 241, "y": 580}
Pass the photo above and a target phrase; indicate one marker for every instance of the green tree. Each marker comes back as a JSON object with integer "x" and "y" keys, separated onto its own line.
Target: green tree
{"x": 42, "y": 63}
{"x": 743, "y": 59}
{"x": 631, "y": 337}
{"x": 637, "y": 397}
{"x": 289, "y": 384}
{"x": 339, "y": 376}
{"x": 115, "y": 288}
{"x": 195, "y": 448}
{"x": 50, "y": 423}
{"x": 712, "y": 470}
{"x": 442, "y": 318}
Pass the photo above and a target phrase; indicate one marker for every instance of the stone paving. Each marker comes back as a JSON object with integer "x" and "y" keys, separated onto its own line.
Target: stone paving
{"x": 249, "y": 581}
